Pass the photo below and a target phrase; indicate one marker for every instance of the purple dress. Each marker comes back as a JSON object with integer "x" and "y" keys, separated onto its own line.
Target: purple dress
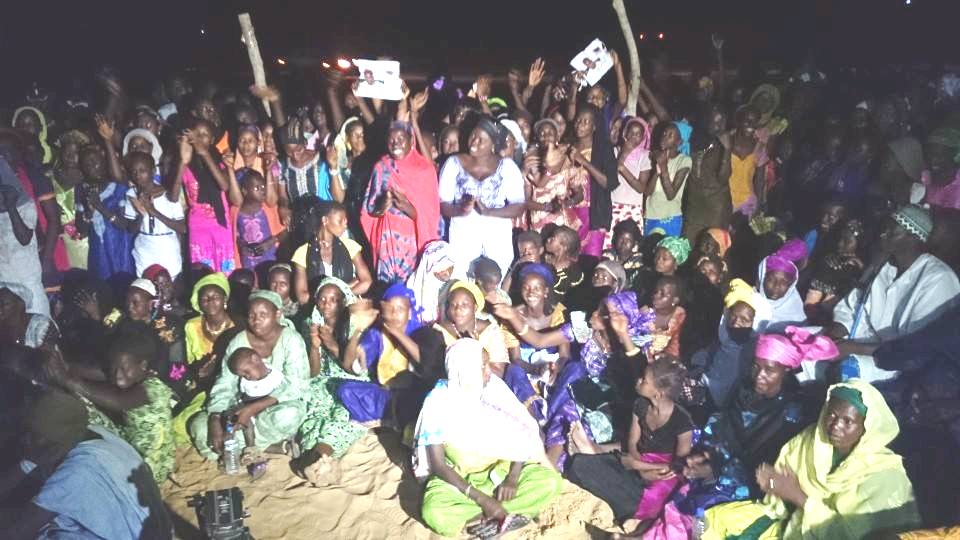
{"x": 253, "y": 229}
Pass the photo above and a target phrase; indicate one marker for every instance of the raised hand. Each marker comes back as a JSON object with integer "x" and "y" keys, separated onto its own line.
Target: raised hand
{"x": 717, "y": 41}
{"x": 537, "y": 71}
{"x": 229, "y": 159}
{"x": 332, "y": 158}
{"x": 186, "y": 148}
{"x": 513, "y": 79}
{"x": 104, "y": 127}
{"x": 483, "y": 86}
{"x": 268, "y": 93}
{"x": 614, "y": 57}
{"x": 419, "y": 101}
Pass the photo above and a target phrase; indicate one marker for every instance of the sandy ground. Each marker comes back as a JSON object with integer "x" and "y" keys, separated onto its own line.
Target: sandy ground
{"x": 367, "y": 495}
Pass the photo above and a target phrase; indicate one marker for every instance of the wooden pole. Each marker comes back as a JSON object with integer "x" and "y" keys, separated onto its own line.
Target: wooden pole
{"x": 253, "y": 51}
{"x": 634, "y": 94}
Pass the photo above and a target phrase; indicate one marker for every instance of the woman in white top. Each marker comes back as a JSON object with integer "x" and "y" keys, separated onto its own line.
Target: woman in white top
{"x": 157, "y": 221}
{"x": 633, "y": 168}
{"x": 481, "y": 193}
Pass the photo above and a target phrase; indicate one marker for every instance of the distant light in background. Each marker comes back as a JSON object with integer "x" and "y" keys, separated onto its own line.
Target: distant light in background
{"x": 326, "y": 65}
{"x": 660, "y": 35}
{"x": 907, "y": 2}
{"x": 343, "y": 63}
{"x": 281, "y": 61}
{"x": 204, "y": 32}
{"x": 643, "y": 36}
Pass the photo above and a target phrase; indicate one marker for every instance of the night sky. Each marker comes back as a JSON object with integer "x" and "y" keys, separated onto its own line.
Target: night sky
{"x": 60, "y": 42}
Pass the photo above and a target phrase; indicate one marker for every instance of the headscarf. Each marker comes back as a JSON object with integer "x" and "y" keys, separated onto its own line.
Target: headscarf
{"x": 678, "y": 246}
{"x": 544, "y": 121}
{"x": 789, "y": 308}
{"x": 915, "y": 220}
{"x": 145, "y": 285}
{"x": 645, "y": 142}
{"x": 741, "y": 291}
{"x": 483, "y": 422}
{"x": 47, "y": 153}
{"x": 626, "y": 303}
{"x": 796, "y": 346}
{"x": 399, "y": 289}
{"x": 269, "y": 296}
{"x": 851, "y": 396}
{"x": 496, "y": 135}
{"x": 349, "y": 297}
{"x": 217, "y": 279}
{"x": 539, "y": 269}
{"x": 775, "y": 97}
{"x": 156, "y": 150}
{"x": 603, "y": 158}
{"x": 437, "y": 256}
{"x": 909, "y": 155}
{"x": 153, "y": 271}
{"x": 948, "y": 137}
{"x": 685, "y": 131}
{"x": 616, "y": 270}
{"x": 722, "y": 238}
{"x": 471, "y": 288}
{"x": 811, "y": 456}
{"x": 514, "y": 128}
{"x": 342, "y": 145}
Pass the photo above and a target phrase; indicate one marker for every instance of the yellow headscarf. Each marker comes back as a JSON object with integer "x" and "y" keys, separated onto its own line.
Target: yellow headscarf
{"x": 47, "y": 153}
{"x": 217, "y": 279}
{"x": 869, "y": 490}
{"x": 473, "y": 290}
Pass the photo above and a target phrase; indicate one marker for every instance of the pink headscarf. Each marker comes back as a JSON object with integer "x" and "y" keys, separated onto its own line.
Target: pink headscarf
{"x": 796, "y": 346}
{"x": 787, "y": 259}
{"x": 645, "y": 142}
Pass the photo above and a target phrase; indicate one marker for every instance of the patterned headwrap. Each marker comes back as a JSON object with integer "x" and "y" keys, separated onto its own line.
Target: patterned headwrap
{"x": 915, "y": 220}
{"x": 349, "y": 298}
{"x": 795, "y": 347}
{"x": 638, "y": 321}
{"x": 217, "y": 279}
{"x": 678, "y": 246}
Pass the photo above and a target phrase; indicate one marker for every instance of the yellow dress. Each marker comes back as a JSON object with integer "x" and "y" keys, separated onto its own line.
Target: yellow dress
{"x": 77, "y": 249}
{"x": 741, "y": 178}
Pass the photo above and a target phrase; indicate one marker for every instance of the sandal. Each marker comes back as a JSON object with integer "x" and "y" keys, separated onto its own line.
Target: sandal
{"x": 512, "y": 523}
{"x": 257, "y": 470}
{"x": 486, "y": 528}
{"x": 291, "y": 448}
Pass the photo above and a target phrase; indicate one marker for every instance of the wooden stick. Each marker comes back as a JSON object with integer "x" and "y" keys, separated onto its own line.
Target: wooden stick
{"x": 253, "y": 51}
{"x": 635, "y": 74}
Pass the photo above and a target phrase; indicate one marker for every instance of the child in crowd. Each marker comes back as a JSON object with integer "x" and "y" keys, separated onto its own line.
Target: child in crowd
{"x": 837, "y": 272}
{"x": 637, "y": 483}
{"x": 257, "y": 382}
{"x": 486, "y": 274}
{"x": 253, "y": 215}
{"x": 529, "y": 250}
{"x": 670, "y": 316}
{"x": 157, "y": 221}
{"x": 99, "y": 215}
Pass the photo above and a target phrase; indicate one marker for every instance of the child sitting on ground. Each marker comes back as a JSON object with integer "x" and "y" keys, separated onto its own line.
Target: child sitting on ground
{"x": 637, "y": 483}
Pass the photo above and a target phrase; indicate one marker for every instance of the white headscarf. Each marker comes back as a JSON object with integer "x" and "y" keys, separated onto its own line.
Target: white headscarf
{"x": 482, "y": 420}
{"x": 156, "y": 151}
{"x": 789, "y": 308}
{"x": 437, "y": 256}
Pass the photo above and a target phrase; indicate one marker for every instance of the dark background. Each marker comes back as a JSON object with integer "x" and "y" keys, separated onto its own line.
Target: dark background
{"x": 59, "y": 44}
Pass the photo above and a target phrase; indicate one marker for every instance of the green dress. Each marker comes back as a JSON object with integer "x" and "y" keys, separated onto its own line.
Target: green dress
{"x": 326, "y": 419}
{"x": 149, "y": 429}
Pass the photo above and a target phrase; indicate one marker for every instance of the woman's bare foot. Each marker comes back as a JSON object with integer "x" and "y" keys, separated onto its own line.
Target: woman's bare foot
{"x": 579, "y": 439}
{"x": 633, "y": 528}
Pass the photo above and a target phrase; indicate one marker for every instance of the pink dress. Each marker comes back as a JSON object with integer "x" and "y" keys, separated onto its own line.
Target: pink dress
{"x": 557, "y": 187}
{"x": 947, "y": 196}
{"x": 211, "y": 243}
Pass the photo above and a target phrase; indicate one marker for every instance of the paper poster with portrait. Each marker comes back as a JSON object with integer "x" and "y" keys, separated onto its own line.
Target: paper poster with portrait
{"x": 379, "y": 79}
{"x": 594, "y": 62}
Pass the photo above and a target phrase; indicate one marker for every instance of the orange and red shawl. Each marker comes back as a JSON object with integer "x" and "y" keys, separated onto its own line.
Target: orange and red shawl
{"x": 395, "y": 239}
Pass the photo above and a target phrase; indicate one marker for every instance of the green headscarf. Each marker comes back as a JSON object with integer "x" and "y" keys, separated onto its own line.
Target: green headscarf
{"x": 218, "y": 280}
{"x": 269, "y": 296}
{"x": 852, "y": 396}
{"x": 678, "y": 246}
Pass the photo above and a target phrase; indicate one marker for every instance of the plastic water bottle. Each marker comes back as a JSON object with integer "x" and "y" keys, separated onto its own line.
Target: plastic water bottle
{"x": 231, "y": 453}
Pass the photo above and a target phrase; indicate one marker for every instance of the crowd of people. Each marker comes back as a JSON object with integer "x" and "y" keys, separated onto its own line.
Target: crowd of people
{"x": 730, "y": 313}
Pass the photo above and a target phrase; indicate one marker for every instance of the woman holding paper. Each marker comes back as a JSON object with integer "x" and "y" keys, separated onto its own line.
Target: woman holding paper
{"x": 481, "y": 193}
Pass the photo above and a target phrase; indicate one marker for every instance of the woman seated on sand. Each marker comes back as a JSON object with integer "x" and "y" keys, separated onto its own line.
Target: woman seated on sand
{"x": 278, "y": 417}
{"x": 836, "y": 479}
{"x": 479, "y": 451}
